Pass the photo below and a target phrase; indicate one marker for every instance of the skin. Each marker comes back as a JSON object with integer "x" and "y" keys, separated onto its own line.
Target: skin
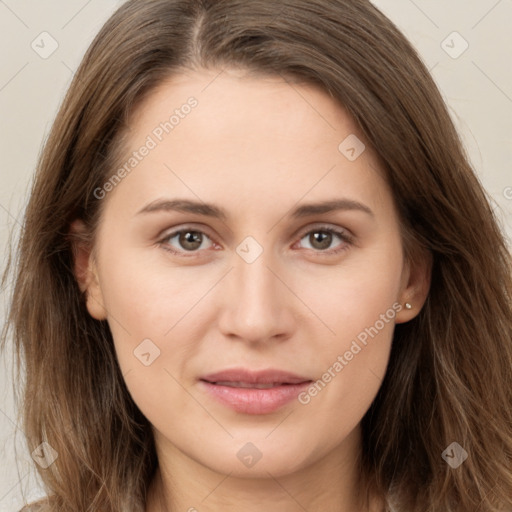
{"x": 258, "y": 147}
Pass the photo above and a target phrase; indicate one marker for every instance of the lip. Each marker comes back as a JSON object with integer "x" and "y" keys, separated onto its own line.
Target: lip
{"x": 252, "y": 400}
{"x": 268, "y": 376}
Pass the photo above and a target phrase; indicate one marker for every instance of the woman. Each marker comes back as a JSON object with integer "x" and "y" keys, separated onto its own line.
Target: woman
{"x": 258, "y": 272}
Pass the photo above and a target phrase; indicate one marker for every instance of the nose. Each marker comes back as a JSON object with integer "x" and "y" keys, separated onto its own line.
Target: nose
{"x": 256, "y": 305}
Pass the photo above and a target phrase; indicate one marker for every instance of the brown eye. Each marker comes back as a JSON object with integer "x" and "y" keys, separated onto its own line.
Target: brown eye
{"x": 186, "y": 240}
{"x": 190, "y": 240}
{"x": 321, "y": 239}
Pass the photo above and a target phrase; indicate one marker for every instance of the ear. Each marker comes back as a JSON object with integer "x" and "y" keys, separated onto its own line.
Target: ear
{"x": 85, "y": 270}
{"x": 416, "y": 279}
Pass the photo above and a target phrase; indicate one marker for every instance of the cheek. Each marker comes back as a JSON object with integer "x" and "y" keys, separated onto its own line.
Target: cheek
{"x": 148, "y": 308}
{"x": 152, "y": 332}
{"x": 353, "y": 296}
{"x": 351, "y": 368}
{"x": 146, "y": 293}
{"x": 359, "y": 305}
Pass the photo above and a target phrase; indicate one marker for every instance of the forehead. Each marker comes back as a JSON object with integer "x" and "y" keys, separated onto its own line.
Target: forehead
{"x": 247, "y": 136}
{"x": 231, "y": 98}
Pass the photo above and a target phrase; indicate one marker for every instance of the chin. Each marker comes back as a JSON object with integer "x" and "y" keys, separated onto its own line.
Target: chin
{"x": 256, "y": 459}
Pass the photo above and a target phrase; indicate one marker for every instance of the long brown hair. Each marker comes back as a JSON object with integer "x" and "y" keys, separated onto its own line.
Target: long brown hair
{"x": 449, "y": 377}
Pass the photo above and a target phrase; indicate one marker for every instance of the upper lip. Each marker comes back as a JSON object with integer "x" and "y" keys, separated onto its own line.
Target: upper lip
{"x": 269, "y": 376}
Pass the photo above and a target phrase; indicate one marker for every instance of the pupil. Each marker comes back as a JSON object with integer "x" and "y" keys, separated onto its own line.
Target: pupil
{"x": 323, "y": 238}
{"x": 190, "y": 237}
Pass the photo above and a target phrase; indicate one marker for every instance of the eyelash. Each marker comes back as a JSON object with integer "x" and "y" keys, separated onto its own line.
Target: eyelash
{"x": 342, "y": 234}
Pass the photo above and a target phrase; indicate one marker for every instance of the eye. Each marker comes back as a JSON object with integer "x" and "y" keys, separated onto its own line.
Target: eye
{"x": 322, "y": 237}
{"x": 188, "y": 240}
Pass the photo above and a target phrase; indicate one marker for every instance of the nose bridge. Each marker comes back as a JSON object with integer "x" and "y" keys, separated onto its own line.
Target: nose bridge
{"x": 254, "y": 281}
{"x": 256, "y": 286}
{"x": 255, "y": 306}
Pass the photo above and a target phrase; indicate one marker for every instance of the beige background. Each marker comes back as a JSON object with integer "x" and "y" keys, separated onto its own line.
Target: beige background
{"x": 477, "y": 85}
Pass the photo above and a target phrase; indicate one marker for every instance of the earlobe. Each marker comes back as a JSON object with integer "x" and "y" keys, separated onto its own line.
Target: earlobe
{"x": 416, "y": 287}
{"x": 85, "y": 270}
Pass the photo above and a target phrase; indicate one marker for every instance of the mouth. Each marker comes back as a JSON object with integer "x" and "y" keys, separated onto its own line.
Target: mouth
{"x": 249, "y": 385}
{"x": 254, "y": 392}
{"x": 244, "y": 377}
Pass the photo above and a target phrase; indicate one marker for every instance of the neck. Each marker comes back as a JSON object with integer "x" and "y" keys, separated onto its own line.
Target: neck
{"x": 331, "y": 483}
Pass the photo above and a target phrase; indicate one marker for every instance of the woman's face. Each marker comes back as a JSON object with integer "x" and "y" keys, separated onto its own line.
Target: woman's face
{"x": 248, "y": 167}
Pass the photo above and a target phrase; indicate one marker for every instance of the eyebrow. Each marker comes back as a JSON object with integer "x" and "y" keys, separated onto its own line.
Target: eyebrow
{"x": 211, "y": 210}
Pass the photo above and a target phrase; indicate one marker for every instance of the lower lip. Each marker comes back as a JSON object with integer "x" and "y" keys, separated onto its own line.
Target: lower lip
{"x": 253, "y": 400}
